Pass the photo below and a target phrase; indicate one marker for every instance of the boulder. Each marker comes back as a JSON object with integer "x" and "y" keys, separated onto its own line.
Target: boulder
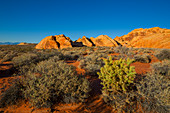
{"x": 64, "y": 42}
{"x": 54, "y": 42}
{"x": 104, "y": 40}
{"x": 48, "y": 43}
{"x": 85, "y": 41}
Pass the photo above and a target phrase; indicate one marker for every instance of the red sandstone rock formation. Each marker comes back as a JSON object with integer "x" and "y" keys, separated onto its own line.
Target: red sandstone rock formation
{"x": 85, "y": 41}
{"x": 104, "y": 40}
{"x": 54, "y": 42}
{"x": 149, "y": 38}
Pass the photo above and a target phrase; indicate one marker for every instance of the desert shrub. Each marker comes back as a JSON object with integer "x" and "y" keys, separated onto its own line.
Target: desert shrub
{"x": 125, "y": 52}
{"x": 106, "y": 51}
{"x": 144, "y": 58}
{"x": 70, "y": 55}
{"x": 54, "y": 82}
{"x": 3, "y": 53}
{"x": 92, "y": 63}
{"x": 147, "y": 51}
{"x": 9, "y": 56}
{"x": 162, "y": 68}
{"x": 162, "y": 54}
{"x": 117, "y": 79}
{"x": 18, "y": 48}
{"x": 117, "y": 75}
{"x": 121, "y": 49}
{"x": 154, "y": 89}
{"x": 12, "y": 95}
{"x": 25, "y": 61}
{"x": 99, "y": 48}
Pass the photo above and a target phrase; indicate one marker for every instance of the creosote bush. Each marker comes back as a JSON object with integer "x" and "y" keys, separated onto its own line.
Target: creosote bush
{"x": 92, "y": 63}
{"x": 124, "y": 52}
{"x": 162, "y": 54}
{"x": 154, "y": 89}
{"x": 12, "y": 95}
{"x": 26, "y": 61}
{"x": 9, "y": 56}
{"x": 117, "y": 79}
{"x": 144, "y": 58}
{"x": 54, "y": 82}
{"x": 162, "y": 68}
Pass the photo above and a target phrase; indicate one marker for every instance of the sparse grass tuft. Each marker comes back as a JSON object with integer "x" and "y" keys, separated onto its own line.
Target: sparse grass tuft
{"x": 162, "y": 54}
{"x": 144, "y": 58}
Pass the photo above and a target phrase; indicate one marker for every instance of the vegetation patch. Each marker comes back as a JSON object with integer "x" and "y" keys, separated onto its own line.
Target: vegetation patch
{"x": 118, "y": 84}
{"x": 144, "y": 58}
{"x": 162, "y": 54}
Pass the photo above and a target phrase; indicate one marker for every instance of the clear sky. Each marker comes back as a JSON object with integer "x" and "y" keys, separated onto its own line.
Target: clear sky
{"x": 33, "y": 20}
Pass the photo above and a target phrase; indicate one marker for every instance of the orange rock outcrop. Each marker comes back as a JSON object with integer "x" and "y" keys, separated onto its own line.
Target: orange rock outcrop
{"x": 104, "y": 40}
{"x": 85, "y": 41}
{"x": 54, "y": 42}
{"x": 148, "y": 38}
{"x": 22, "y": 43}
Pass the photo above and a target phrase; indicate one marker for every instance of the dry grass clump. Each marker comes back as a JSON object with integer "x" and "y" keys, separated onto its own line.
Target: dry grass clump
{"x": 26, "y": 61}
{"x": 162, "y": 54}
{"x": 144, "y": 58}
{"x": 51, "y": 81}
{"x": 12, "y": 95}
{"x": 162, "y": 68}
{"x": 92, "y": 63}
{"x": 154, "y": 88}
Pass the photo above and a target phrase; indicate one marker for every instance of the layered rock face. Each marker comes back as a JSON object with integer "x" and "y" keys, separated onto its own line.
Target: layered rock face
{"x": 104, "y": 40}
{"x": 85, "y": 41}
{"x": 54, "y": 42}
{"x": 61, "y": 41}
{"x": 148, "y": 38}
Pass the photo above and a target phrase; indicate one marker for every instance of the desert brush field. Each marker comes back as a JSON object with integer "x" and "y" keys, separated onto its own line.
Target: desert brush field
{"x": 84, "y": 80}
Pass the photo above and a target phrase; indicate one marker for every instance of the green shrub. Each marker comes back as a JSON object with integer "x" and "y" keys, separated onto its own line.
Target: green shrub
{"x": 147, "y": 51}
{"x": 27, "y": 61}
{"x": 92, "y": 63}
{"x": 2, "y": 54}
{"x": 162, "y": 54}
{"x": 162, "y": 68}
{"x": 144, "y": 58}
{"x": 54, "y": 81}
{"x": 12, "y": 95}
{"x": 9, "y": 56}
{"x": 117, "y": 79}
{"x": 154, "y": 89}
{"x": 117, "y": 75}
{"x": 124, "y": 52}
{"x": 71, "y": 55}
{"x": 24, "y": 59}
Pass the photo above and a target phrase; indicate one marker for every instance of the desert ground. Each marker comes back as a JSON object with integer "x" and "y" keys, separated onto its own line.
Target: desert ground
{"x": 30, "y": 80}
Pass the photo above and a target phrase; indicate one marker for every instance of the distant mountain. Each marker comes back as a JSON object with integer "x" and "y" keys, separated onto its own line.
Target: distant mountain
{"x": 9, "y": 43}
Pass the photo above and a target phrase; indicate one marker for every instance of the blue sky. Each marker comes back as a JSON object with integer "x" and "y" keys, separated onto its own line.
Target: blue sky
{"x": 33, "y": 20}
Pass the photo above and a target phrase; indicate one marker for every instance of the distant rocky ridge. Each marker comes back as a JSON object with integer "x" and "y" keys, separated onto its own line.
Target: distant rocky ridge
{"x": 9, "y": 43}
{"x": 148, "y": 38}
{"x": 24, "y": 43}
